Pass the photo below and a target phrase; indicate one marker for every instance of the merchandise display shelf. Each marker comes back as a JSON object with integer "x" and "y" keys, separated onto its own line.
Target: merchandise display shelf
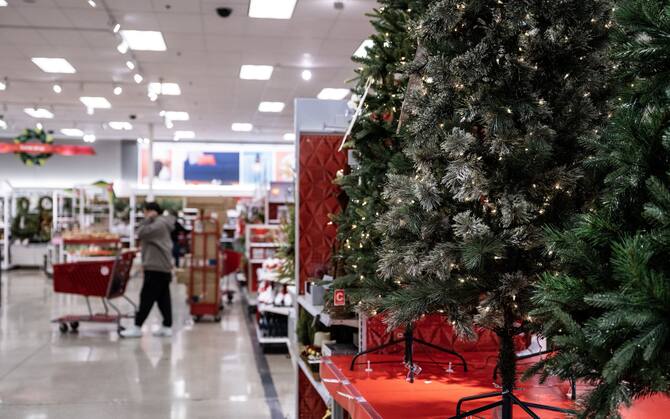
{"x": 318, "y": 385}
{"x": 269, "y": 340}
{"x": 325, "y": 318}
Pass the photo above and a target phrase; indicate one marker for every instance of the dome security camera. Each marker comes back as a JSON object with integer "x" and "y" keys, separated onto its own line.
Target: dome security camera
{"x": 132, "y": 116}
{"x": 224, "y": 12}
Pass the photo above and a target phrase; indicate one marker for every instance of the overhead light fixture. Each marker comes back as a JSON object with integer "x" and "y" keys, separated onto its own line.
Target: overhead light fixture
{"x": 176, "y": 115}
{"x": 289, "y": 136}
{"x": 142, "y": 141}
{"x": 183, "y": 135}
{"x": 90, "y": 111}
{"x": 362, "y": 51}
{"x": 138, "y": 78}
{"x": 118, "y": 90}
{"x": 120, "y": 125}
{"x": 54, "y": 65}
{"x": 122, "y": 47}
{"x": 241, "y": 127}
{"x": 95, "y": 102}
{"x": 116, "y": 28}
{"x": 92, "y": 3}
{"x": 39, "y": 113}
{"x": 306, "y": 75}
{"x": 169, "y": 89}
{"x": 271, "y": 106}
{"x": 169, "y": 124}
{"x": 3, "y": 85}
{"x": 57, "y": 88}
{"x": 256, "y": 72}
{"x": 152, "y": 96}
{"x": 144, "y": 40}
{"x": 39, "y": 126}
{"x": 332, "y": 94}
{"x": 89, "y": 138}
{"x": 3, "y": 124}
{"x": 72, "y": 132}
{"x": 3, "y": 3}
{"x": 130, "y": 65}
{"x": 271, "y": 9}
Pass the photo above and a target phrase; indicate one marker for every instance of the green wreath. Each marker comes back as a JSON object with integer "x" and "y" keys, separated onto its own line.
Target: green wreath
{"x": 33, "y": 135}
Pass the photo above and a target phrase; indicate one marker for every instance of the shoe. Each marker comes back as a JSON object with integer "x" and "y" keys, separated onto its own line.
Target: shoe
{"x": 163, "y": 332}
{"x": 132, "y": 332}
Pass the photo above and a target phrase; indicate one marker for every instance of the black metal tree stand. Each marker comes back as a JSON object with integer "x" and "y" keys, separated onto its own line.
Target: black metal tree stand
{"x": 409, "y": 340}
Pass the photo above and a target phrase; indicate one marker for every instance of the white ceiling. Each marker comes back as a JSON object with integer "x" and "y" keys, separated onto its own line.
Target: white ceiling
{"x": 204, "y": 55}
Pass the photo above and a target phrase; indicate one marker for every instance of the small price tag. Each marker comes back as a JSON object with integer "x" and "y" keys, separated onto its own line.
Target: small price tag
{"x": 339, "y": 298}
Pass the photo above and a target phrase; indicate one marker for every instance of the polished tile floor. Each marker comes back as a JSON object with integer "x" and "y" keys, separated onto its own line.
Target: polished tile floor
{"x": 206, "y": 370}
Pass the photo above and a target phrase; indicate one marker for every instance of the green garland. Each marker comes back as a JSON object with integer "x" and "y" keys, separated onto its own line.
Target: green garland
{"x": 33, "y": 135}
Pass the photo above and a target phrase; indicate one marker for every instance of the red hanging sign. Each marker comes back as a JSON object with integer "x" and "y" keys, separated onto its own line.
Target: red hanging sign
{"x": 39, "y": 148}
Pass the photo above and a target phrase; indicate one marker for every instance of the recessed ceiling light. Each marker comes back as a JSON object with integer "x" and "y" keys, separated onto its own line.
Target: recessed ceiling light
{"x": 242, "y": 127}
{"x": 92, "y": 3}
{"x": 130, "y": 65}
{"x": 152, "y": 96}
{"x": 272, "y": 9}
{"x": 144, "y": 40}
{"x": 57, "y": 88}
{"x": 170, "y": 89}
{"x": 271, "y": 106}
{"x": 138, "y": 78}
{"x": 72, "y": 132}
{"x": 333, "y": 94}
{"x": 120, "y": 125}
{"x": 142, "y": 141}
{"x": 3, "y": 86}
{"x": 3, "y": 3}
{"x": 54, "y": 65}
{"x": 183, "y": 135}
{"x": 95, "y": 102}
{"x": 122, "y": 47}
{"x": 39, "y": 126}
{"x": 176, "y": 115}
{"x": 289, "y": 136}
{"x": 89, "y": 138}
{"x": 118, "y": 90}
{"x": 306, "y": 75}
{"x": 3, "y": 124}
{"x": 256, "y": 72}
{"x": 362, "y": 50}
{"x": 116, "y": 28}
{"x": 40, "y": 113}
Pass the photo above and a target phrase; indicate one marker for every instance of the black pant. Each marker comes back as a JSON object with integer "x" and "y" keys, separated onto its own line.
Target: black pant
{"x": 156, "y": 289}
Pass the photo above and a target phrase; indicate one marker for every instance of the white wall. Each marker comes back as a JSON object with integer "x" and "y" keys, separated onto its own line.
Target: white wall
{"x": 65, "y": 172}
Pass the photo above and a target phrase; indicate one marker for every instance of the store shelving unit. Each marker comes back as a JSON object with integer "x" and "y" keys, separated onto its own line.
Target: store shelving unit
{"x": 262, "y": 242}
{"x": 280, "y": 197}
{"x": 5, "y": 223}
{"x": 325, "y": 318}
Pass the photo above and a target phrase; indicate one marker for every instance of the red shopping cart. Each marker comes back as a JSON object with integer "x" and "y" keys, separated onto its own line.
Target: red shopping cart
{"x": 232, "y": 262}
{"x": 106, "y": 279}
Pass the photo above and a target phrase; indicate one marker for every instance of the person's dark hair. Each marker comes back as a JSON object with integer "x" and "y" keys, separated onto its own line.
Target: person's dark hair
{"x": 153, "y": 206}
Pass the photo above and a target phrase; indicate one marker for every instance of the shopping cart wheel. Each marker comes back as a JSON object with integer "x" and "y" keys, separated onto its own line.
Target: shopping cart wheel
{"x": 63, "y": 327}
{"x": 74, "y": 327}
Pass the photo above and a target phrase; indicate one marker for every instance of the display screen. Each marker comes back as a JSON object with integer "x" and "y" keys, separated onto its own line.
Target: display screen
{"x": 212, "y": 167}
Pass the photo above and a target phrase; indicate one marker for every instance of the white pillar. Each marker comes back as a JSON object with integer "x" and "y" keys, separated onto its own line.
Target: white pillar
{"x": 150, "y": 194}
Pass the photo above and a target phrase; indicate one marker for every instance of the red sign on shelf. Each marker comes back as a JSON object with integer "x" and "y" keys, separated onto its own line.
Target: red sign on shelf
{"x": 339, "y": 298}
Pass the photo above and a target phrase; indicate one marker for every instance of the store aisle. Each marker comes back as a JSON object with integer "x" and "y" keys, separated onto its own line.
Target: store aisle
{"x": 206, "y": 370}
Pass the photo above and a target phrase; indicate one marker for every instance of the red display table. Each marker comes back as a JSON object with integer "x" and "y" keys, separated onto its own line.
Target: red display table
{"x": 384, "y": 393}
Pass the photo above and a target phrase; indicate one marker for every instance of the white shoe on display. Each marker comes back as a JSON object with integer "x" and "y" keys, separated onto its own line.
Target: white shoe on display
{"x": 163, "y": 332}
{"x": 132, "y": 332}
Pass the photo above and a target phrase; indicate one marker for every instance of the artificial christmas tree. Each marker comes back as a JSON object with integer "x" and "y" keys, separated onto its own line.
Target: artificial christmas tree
{"x": 376, "y": 147}
{"x": 510, "y": 90}
{"x": 607, "y": 309}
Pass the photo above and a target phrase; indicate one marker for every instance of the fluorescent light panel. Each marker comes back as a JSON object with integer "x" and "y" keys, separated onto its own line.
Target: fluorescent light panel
{"x": 362, "y": 51}
{"x": 3, "y": 86}
{"x": 183, "y": 135}
{"x": 120, "y": 125}
{"x": 168, "y": 89}
{"x": 242, "y": 127}
{"x": 95, "y": 102}
{"x": 271, "y": 9}
{"x": 3, "y": 3}
{"x": 271, "y": 106}
{"x": 54, "y": 65}
{"x": 144, "y": 40}
{"x": 256, "y": 72}
{"x": 3, "y": 124}
{"x": 40, "y": 113}
{"x": 333, "y": 94}
{"x": 72, "y": 132}
{"x": 176, "y": 115}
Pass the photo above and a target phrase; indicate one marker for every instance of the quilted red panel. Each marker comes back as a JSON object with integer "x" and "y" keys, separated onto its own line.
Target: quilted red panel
{"x": 311, "y": 405}
{"x": 319, "y": 163}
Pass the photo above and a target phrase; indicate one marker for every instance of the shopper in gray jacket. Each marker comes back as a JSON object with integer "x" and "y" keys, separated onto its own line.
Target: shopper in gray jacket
{"x": 156, "y": 246}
